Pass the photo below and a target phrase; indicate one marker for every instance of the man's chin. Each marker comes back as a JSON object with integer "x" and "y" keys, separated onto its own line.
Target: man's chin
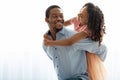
{"x": 59, "y": 26}
{"x": 58, "y": 29}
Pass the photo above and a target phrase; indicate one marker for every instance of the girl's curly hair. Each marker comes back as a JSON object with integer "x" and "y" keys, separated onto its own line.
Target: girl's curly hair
{"x": 95, "y": 22}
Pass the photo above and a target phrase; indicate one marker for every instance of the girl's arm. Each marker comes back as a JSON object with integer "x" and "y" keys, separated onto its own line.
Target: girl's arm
{"x": 70, "y": 21}
{"x": 45, "y": 36}
{"x": 67, "y": 42}
{"x": 67, "y": 23}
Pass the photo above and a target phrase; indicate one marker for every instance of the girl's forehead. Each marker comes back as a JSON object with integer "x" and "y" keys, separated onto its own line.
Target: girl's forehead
{"x": 83, "y": 9}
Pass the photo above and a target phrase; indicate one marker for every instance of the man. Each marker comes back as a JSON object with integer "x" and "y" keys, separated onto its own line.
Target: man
{"x": 69, "y": 61}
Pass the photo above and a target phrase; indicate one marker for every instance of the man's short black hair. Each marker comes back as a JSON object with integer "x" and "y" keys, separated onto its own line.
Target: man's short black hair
{"x": 49, "y": 8}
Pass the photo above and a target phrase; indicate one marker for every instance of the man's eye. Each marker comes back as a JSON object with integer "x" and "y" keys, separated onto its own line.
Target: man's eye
{"x": 54, "y": 16}
{"x": 61, "y": 16}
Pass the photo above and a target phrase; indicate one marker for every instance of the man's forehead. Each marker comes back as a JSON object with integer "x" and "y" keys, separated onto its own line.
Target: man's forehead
{"x": 56, "y": 10}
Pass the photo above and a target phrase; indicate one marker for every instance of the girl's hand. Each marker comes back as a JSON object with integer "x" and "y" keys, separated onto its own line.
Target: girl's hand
{"x": 45, "y": 42}
{"x": 48, "y": 42}
{"x": 46, "y": 37}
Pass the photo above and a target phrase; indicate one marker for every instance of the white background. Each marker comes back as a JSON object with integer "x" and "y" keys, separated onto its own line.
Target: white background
{"x": 22, "y": 25}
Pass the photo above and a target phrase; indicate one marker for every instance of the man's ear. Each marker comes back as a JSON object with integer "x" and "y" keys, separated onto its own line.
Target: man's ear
{"x": 46, "y": 20}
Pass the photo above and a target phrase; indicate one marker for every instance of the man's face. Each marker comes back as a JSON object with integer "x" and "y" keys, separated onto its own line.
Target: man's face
{"x": 82, "y": 16}
{"x": 55, "y": 20}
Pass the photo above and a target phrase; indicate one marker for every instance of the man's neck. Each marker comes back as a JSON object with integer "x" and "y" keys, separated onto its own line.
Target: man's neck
{"x": 53, "y": 35}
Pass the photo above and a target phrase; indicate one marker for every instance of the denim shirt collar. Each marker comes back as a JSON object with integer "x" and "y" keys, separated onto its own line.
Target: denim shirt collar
{"x": 60, "y": 32}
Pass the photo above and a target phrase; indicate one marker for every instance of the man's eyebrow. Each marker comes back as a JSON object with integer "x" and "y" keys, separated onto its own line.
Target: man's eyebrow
{"x": 53, "y": 13}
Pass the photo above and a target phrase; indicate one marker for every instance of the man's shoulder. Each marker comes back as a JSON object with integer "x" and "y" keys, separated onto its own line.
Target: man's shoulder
{"x": 70, "y": 31}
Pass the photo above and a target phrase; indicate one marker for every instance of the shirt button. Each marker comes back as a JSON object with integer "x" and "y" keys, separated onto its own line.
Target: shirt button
{"x": 55, "y": 48}
{"x": 56, "y": 57}
{"x": 57, "y": 66}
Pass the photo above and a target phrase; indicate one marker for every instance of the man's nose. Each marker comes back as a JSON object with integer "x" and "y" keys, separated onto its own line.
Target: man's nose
{"x": 59, "y": 18}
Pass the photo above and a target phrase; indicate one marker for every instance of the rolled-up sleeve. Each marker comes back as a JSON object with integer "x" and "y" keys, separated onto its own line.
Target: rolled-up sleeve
{"x": 92, "y": 47}
{"x": 102, "y": 52}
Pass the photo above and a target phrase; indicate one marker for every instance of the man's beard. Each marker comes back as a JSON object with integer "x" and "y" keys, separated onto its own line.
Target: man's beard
{"x": 57, "y": 30}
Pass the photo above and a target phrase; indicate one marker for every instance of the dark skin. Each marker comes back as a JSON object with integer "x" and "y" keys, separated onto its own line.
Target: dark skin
{"x": 91, "y": 57}
{"x": 82, "y": 17}
{"x": 55, "y": 21}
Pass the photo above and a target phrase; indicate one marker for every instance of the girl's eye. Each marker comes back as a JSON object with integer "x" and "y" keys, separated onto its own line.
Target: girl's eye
{"x": 80, "y": 16}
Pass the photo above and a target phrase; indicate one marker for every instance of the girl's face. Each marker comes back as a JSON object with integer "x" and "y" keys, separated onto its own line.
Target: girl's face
{"x": 82, "y": 16}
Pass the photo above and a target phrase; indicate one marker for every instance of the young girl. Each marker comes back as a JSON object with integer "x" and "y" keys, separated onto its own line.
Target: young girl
{"x": 90, "y": 24}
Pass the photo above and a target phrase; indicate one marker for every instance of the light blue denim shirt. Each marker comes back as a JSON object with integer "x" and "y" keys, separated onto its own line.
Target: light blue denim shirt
{"x": 70, "y": 61}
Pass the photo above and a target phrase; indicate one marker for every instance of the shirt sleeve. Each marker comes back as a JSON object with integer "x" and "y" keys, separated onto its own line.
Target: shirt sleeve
{"x": 45, "y": 48}
{"x": 92, "y": 47}
{"x": 102, "y": 52}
